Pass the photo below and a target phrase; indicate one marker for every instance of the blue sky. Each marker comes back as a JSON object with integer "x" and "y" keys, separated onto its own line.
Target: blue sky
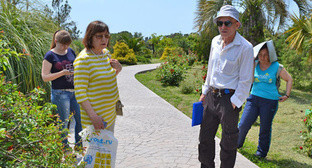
{"x": 162, "y": 17}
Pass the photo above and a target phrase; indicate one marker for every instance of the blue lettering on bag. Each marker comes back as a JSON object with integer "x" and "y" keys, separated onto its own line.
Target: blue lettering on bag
{"x": 88, "y": 159}
{"x": 100, "y": 141}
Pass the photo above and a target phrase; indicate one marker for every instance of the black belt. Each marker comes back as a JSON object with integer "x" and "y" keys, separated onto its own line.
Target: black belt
{"x": 221, "y": 91}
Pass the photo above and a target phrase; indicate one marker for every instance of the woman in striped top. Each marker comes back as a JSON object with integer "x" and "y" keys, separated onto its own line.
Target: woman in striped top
{"x": 95, "y": 79}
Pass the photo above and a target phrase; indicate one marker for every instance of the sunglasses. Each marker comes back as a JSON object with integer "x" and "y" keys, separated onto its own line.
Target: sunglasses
{"x": 226, "y": 23}
{"x": 102, "y": 36}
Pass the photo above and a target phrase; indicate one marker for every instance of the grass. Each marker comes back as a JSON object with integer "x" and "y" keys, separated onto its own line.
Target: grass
{"x": 287, "y": 124}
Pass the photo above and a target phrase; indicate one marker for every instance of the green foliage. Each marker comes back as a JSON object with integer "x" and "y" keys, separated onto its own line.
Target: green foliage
{"x": 123, "y": 54}
{"x": 29, "y": 135}
{"x": 6, "y": 53}
{"x": 296, "y": 64}
{"x": 170, "y": 74}
{"x": 187, "y": 87}
{"x": 171, "y": 51}
{"x": 145, "y": 55}
{"x": 77, "y": 46}
{"x": 307, "y": 134}
{"x": 29, "y": 32}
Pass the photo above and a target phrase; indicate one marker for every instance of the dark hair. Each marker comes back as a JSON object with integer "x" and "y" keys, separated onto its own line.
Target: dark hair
{"x": 93, "y": 28}
{"x": 61, "y": 36}
{"x": 263, "y": 47}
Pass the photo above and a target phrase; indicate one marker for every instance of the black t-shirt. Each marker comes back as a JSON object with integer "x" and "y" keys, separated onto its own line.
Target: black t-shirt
{"x": 60, "y": 62}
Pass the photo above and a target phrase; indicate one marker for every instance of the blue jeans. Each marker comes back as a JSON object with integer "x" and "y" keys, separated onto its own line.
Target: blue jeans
{"x": 254, "y": 107}
{"x": 66, "y": 103}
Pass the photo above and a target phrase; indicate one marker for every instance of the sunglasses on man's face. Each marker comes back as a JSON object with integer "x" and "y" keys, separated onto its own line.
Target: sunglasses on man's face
{"x": 226, "y": 23}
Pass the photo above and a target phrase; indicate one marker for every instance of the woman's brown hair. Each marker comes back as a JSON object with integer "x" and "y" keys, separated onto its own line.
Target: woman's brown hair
{"x": 93, "y": 28}
{"x": 61, "y": 36}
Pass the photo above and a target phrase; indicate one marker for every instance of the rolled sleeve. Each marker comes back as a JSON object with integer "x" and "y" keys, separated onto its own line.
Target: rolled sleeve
{"x": 245, "y": 77}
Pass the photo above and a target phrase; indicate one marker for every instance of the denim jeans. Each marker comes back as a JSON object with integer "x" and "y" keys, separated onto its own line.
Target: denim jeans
{"x": 266, "y": 109}
{"x": 66, "y": 103}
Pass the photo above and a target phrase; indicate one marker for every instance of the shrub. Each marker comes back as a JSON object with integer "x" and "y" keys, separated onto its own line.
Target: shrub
{"x": 170, "y": 74}
{"x": 123, "y": 54}
{"x": 187, "y": 87}
{"x": 169, "y": 52}
{"x": 307, "y": 134}
{"x": 145, "y": 55}
{"x": 191, "y": 58}
{"x": 29, "y": 135}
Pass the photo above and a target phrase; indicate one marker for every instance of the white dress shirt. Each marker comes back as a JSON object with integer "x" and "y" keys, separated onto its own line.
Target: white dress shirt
{"x": 231, "y": 67}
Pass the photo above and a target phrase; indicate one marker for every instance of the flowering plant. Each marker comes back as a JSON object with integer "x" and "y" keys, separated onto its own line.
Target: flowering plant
{"x": 307, "y": 134}
{"x": 170, "y": 74}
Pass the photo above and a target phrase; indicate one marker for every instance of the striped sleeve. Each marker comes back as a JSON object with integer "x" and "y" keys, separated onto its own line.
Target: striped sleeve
{"x": 81, "y": 79}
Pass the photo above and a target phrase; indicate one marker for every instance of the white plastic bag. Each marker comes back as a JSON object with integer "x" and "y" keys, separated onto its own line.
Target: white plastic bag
{"x": 101, "y": 148}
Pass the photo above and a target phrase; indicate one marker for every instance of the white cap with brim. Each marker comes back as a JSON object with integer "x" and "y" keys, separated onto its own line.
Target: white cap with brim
{"x": 271, "y": 49}
{"x": 227, "y": 11}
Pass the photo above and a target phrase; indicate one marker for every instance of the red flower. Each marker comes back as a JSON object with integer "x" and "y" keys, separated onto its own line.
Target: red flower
{"x": 171, "y": 70}
{"x": 187, "y": 60}
{"x": 204, "y": 77}
{"x": 24, "y": 51}
{"x": 203, "y": 67}
{"x": 10, "y": 148}
{"x": 1, "y": 31}
{"x": 305, "y": 120}
{"x": 300, "y": 131}
{"x": 180, "y": 55}
{"x": 301, "y": 147}
{"x": 197, "y": 90}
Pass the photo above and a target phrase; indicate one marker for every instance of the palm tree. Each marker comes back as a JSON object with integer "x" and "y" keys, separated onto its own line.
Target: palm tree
{"x": 154, "y": 42}
{"x": 135, "y": 43}
{"x": 256, "y": 15}
{"x": 301, "y": 34}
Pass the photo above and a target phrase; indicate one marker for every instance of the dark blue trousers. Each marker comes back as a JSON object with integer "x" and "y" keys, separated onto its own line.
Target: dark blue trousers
{"x": 266, "y": 109}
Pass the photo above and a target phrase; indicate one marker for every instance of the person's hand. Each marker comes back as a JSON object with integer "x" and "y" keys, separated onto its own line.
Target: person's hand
{"x": 283, "y": 98}
{"x": 97, "y": 122}
{"x": 233, "y": 105}
{"x": 67, "y": 72}
{"x": 116, "y": 65}
{"x": 202, "y": 98}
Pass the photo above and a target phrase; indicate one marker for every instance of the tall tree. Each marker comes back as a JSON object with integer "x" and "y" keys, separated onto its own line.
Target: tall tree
{"x": 256, "y": 15}
{"x": 61, "y": 16}
{"x": 301, "y": 34}
{"x": 154, "y": 42}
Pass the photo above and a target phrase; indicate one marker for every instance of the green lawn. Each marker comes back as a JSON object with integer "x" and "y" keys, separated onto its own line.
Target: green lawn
{"x": 284, "y": 151}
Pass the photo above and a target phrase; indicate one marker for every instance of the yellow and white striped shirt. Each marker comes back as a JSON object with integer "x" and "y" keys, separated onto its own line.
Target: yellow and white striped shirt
{"x": 95, "y": 80}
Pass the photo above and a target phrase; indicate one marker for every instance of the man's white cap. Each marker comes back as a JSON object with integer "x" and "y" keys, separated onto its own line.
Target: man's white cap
{"x": 227, "y": 10}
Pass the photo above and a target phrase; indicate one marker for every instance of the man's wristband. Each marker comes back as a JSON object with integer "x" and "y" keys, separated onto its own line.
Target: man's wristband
{"x": 287, "y": 95}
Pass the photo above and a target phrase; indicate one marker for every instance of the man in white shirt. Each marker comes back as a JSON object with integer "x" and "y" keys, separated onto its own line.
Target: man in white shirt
{"x": 229, "y": 77}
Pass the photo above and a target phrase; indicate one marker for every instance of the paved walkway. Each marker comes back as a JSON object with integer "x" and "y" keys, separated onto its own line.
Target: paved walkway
{"x": 154, "y": 134}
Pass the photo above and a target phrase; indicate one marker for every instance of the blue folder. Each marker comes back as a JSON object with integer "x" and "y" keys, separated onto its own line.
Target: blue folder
{"x": 197, "y": 115}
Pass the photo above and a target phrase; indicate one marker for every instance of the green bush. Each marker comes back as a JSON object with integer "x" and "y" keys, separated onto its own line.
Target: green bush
{"x": 168, "y": 52}
{"x": 145, "y": 55}
{"x": 123, "y": 54}
{"x": 29, "y": 133}
{"x": 170, "y": 74}
{"x": 307, "y": 134}
{"x": 187, "y": 86}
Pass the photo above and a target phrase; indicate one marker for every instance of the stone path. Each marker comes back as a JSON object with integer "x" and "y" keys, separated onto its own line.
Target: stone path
{"x": 154, "y": 134}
